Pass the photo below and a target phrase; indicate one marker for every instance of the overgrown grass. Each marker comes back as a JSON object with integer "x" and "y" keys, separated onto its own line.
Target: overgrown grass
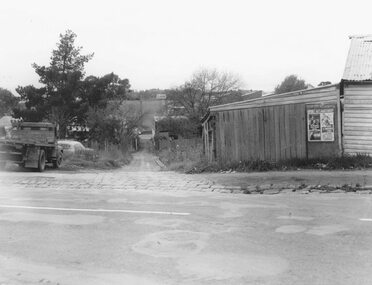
{"x": 181, "y": 155}
{"x": 97, "y": 160}
{"x": 345, "y": 162}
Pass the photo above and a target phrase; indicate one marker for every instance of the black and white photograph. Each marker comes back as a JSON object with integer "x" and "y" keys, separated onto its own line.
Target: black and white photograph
{"x": 186, "y": 142}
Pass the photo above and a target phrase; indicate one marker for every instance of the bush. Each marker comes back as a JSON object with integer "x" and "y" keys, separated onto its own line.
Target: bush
{"x": 181, "y": 154}
{"x": 101, "y": 159}
{"x": 358, "y": 161}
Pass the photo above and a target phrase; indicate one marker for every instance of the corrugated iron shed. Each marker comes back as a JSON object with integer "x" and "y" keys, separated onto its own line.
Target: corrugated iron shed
{"x": 359, "y": 61}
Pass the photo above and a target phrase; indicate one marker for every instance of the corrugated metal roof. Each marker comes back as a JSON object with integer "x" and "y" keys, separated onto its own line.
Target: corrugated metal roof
{"x": 323, "y": 93}
{"x": 359, "y": 61}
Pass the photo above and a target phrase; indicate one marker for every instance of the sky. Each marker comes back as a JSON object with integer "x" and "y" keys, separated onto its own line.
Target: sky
{"x": 161, "y": 43}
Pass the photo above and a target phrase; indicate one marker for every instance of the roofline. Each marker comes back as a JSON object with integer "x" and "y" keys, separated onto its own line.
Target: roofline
{"x": 360, "y": 36}
{"x": 362, "y": 81}
{"x": 274, "y": 95}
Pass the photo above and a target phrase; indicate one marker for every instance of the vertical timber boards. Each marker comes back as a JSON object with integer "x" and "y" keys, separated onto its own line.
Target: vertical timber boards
{"x": 251, "y": 135}
{"x": 292, "y": 130}
{"x": 266, "y": 132}
{"x": 245, "y": 135}
{"x": 270, "y": 133}
{"x": 273, "y": 140}
{"x": 282, "y": 135}
{"x": 301, "y": 130}
{"x": 277, "y": 132}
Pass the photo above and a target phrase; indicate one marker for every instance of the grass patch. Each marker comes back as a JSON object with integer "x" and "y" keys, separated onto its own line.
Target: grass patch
{"x": 97, "y": 160}
{"x": 345, "y": 162}
{"x": 181, "y": 155}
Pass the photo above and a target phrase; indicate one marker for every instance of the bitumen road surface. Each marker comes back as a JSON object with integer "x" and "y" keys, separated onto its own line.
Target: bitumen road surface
{"x": 139, "y": 225}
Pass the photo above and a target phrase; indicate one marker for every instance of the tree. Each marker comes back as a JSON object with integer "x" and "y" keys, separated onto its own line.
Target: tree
{"x": 59, "y": 100}
{"x": 115, "y": 124}
{"x": 98, "y": 91}
{"x": 7, "y": 102}
{"x": 205, "y": 88}
{"x": 289, "y": 84}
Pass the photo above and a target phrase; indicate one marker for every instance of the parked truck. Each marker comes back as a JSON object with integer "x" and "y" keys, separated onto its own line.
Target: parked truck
{"x": 30, "y": 145}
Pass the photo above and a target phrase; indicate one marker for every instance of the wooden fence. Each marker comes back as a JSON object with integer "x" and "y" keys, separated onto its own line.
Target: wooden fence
{"x": 268, "y": 133}
{"x": 271, "y": 128}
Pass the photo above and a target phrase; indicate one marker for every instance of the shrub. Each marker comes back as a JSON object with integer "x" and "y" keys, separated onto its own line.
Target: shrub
{"x": 358, "y": 161}
{"x": 101, "y": 159}
{"x": 181, "y": 154}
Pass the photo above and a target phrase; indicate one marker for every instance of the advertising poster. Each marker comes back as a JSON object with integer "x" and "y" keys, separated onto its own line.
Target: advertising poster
{"x": 320, "y": 124}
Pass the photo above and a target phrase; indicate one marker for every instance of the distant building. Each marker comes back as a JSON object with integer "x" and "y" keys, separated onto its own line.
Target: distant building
{"x": 253, "y": 94}
{"x": 161, "y": 96}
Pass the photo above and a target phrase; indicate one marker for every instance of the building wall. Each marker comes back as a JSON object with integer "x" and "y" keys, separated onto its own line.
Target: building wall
{"x": 271, "y": 128}
{"x": 268, "y": 133}
{"x": 148, "y": 109}
{"x": 357, "y": 118}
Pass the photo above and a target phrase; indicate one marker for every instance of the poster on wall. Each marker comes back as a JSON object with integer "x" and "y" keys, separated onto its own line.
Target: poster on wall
{"x": 321, "y": 127}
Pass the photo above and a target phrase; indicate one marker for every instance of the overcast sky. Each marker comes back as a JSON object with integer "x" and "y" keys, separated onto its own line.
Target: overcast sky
{"x": 160, "y": 43}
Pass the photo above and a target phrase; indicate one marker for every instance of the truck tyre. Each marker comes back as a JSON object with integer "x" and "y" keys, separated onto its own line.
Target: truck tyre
{"x": 41, "y": 163}
{"x": 57, "y": 163}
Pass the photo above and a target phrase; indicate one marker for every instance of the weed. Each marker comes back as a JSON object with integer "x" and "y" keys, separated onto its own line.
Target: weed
{"x": 97, "y": 160}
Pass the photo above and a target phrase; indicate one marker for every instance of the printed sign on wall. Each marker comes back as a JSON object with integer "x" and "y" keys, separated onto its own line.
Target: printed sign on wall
{"x": 320, "y": 125}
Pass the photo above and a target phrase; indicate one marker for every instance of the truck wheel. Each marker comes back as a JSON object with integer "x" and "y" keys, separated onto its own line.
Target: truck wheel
{"x": 57, "y": 163}
{"x": 41, "y": 163}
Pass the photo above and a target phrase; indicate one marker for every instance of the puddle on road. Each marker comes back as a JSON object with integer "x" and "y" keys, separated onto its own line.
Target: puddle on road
{"x": 290, "y": 229}
{"x": 169, "y": 223}
{"x": 17, "y": 271}
{"x": 174, "y": 243}
{"x": 327, "y": 230}
{"x": 234, "y": 210}
{"x": 117, "y": 200}
{"x": 319, "y": 230}
{"x": 50, "y": 218}
{"x": 322, "y": 197}
{"x": 193, "y": 203}
{"x": 298, "y": 218}
{"x": 230, "y": 266}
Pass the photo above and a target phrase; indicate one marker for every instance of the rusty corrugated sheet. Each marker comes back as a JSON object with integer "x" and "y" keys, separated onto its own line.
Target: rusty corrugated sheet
{"x": 359, "y": 61}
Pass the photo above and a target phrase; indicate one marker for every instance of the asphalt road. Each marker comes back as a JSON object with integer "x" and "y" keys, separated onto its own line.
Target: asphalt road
{"x": 139, "y": 225}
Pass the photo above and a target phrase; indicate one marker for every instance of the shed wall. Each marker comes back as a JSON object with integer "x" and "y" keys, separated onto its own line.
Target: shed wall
{"x": 268, "y": 133}
{"x": 357, "y": 127}
{"x": 272, "y": 129}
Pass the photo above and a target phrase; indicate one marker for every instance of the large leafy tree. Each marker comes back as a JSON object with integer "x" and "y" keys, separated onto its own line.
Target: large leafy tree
{"x": 108, "y": 120}
{"x": 98, "y": 91}
{"x": 114, "y": 124}
{"x": 59, "y": 100}
{"x": 289, "y": 84}
{"x": 7, "y": 102}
